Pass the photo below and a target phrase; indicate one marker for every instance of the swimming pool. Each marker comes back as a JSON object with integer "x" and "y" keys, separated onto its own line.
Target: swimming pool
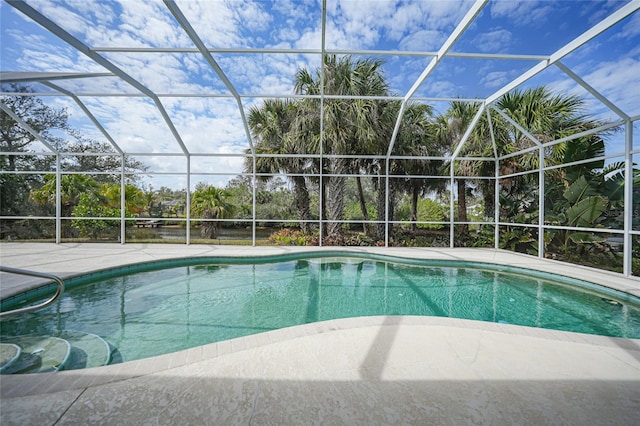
{"x": 151, "y": 309}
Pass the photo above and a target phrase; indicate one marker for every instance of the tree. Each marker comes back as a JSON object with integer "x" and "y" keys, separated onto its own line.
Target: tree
{"x": 274, "y": 199}
{"x": 272, "y": 128}
{"x": 93, "y": 205}
{"x": 135, "y": 200}
{"x": 451, "y": 126}
{"x": 71, "y": 189}
{"x": 15, "y": 188}
{"x": 110, "y": 161}
{"x": 349, "y": 124}
{"x": 417, "y": 138}
{"x": 209, "y": 202}
{"x": 40, "y": 117}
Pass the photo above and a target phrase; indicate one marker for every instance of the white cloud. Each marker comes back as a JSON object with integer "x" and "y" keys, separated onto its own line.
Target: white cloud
{"x": 214, "y": 21}
{"x": 616, "y": 81}
{"x": 413, "y": 25}
{"x": 101, "y": 12}
{"x": 298, "y": 10}
{"x": 522, "y": 12}
{"x": 208, "y": 124}
{"x": 423, "y": 40}
{"x": 310, "y": 38}
{"x": 252, "y": 16}
{"x": 438, "y": 88}
{"x": 362, "y": 24}
{"x": 43, "y": 60}
{"x": 495, "y": 79}
{"x": 631, "y": 28}
{"x": 495, "y": 41}
{"x": 288, "y": 34}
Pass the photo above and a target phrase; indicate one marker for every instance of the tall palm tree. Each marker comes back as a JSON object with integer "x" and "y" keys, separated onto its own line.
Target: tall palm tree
{"x": 272, "y": 125}
{"x": 348, "y": 123}
{"x": 450, "y": 127}
{"x": 209, "y": 202}
{"x": 547, "y": 117}
{"x": 417, "y": 137}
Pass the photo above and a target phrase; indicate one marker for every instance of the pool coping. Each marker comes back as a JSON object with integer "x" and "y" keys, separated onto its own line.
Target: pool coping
{"x": 14, "y": 386}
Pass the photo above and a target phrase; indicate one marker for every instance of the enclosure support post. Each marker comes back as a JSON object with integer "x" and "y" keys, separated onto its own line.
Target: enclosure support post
{"x": 628, "y": 199}
{"x": 386, "y": 203}
{"x": 451, "y": 209}
{"x": 496, "y": 210}
{"x": 541, "y": 202}
{"x": 321, "y": 150}
{"x": 58, "y": 200}
{"x": 123, "y": 222}
{"x": 496, "y": 183}
{"x": 187, "y": 208}
{"x": 253, "y": 202}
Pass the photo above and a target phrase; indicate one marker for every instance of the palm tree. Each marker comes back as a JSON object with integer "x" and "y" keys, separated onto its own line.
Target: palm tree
{"x": 544, "y": 115}
{"x": 450, "y": 127}
{"x": 208, "y": 202}
{"x": 134, "y": 198}
{"x": 349, "y": 124}
{"x": 417, "y": 137}
{"x": 71, "y": 189}
{"x": 547, "y": 117}
{"x": 272, "y": 125}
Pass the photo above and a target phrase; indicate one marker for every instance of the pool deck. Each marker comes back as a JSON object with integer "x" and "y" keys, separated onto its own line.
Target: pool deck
{"x": 362, "y": 371}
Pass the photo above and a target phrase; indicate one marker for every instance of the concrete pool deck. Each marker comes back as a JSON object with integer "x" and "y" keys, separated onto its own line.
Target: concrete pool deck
{"x": 370, "y": 370}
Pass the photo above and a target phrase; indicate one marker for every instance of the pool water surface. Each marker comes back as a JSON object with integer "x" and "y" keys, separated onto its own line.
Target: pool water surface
{"x": 154, "y": 312}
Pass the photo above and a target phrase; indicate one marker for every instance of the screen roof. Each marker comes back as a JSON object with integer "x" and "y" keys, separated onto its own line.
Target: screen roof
{"x": 179, "y": 77}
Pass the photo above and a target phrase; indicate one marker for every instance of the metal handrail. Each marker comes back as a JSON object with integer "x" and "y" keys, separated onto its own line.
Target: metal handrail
{"x": 47, "y": 302}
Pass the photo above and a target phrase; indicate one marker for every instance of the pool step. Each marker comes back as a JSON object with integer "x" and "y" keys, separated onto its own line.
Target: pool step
{"x": 9, "y": 353}
{"x": 67, "y": 350}
{"x": 37, "y": 354}
{"x": 87, "y": 350}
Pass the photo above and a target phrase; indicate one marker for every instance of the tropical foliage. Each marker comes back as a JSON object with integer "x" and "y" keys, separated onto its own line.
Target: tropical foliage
{"x": 353, "y": 127}
{"x": 344, "y": 177}
{"x": 210, "y": 203}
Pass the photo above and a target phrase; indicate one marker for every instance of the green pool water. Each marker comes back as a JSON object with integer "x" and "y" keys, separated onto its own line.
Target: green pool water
{"x": 157, "y": 311}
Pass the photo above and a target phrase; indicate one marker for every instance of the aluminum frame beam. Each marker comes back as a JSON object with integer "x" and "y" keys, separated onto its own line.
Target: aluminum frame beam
{"x": 588, "y": 35}
{"x": 593, "y": 91}
{"x": 83, "y": 48}
{"x": 7, "y": 77}
{"x": 28, "y": 128}
{"x": 505, "y": 56}
{"x": 467, "y": 133}
{"x": 467, "y": 20}
{"x": 195, "y": 38}
{"x": 628, "y": 200}
{"x": 88, "y": 113}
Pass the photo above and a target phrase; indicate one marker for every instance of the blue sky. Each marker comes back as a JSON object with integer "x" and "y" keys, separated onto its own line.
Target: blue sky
{"x": 610, "y": 63}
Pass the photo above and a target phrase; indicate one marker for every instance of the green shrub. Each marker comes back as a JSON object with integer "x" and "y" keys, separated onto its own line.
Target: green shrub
{"x": 430, "y": 211}
{"x": 290, "y": 237}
